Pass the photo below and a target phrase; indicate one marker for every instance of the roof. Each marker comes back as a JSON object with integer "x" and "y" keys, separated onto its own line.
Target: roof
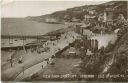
{"x": 108, "y": 9}
{"x": 89, "y": 16}
{"x": 72, "y": 50}
{"x": 89, "y": 52}
{"x": 84, "y": 25}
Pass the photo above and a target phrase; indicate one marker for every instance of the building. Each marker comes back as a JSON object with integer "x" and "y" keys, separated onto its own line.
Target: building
{"x": 72, "y": 51}
{"x": 87, "y": 32}
{"x": 75, "y": 20}
{"x": 89, "y": 17}
{"x": 91, "y": 12}
{"x": 52, "y": 20}
{"x": 121, "y": 17}
{"x": 108, "y": 15}
{"x": 100, "y": 17}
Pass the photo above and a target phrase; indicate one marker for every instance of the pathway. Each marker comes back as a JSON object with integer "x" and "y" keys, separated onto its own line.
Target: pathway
{"x": 12, "y": 73}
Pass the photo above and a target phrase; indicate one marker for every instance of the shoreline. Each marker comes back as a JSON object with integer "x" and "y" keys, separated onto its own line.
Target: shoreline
{"x": 44, "y": 37}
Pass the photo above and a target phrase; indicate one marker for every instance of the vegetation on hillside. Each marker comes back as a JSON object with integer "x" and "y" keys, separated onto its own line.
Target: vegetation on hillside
{"x": 112, "y": 60}
{"x": 80, "y": 12}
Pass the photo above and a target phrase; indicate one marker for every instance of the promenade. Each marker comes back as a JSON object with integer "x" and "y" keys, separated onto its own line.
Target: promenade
{"x": 34, "y": 62}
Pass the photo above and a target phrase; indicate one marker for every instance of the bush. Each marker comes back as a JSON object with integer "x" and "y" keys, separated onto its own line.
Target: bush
{"x": 34, "y": 76}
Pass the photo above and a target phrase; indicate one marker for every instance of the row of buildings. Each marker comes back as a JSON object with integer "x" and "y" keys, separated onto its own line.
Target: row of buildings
{"x": 106, "y": 16}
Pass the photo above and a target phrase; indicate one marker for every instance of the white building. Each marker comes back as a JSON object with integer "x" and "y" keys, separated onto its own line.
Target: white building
{"x": 108, "y": 15}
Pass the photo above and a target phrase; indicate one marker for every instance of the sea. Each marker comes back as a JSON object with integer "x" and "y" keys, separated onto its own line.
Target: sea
{"x": 24, "y": 26}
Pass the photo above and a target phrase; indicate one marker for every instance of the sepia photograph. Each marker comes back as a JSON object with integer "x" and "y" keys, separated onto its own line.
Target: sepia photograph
{"x": 64, "y": 41}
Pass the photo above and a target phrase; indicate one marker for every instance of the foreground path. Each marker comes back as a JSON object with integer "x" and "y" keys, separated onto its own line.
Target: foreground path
{"x": 64, "y": 41}
{"x": 30, "y": 71}
{"x": 51, "y": 71}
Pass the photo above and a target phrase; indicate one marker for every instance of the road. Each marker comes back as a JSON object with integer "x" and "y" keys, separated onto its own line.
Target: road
{"x": 30, "y": 71}
{"x": 12, "y": 73}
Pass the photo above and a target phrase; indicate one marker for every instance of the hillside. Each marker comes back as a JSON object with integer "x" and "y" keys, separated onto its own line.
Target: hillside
{"x": 110, "y": 62}
{"x": 79, "y": 12}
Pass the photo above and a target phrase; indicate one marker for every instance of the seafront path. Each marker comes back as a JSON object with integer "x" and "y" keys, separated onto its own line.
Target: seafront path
{"x": 35, "y": 62}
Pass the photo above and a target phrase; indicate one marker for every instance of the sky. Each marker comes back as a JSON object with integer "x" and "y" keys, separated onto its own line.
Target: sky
{"x": 37, "y": 8}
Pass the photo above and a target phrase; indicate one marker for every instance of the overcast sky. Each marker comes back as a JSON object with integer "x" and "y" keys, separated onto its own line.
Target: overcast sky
{"x": 37, "y": 8}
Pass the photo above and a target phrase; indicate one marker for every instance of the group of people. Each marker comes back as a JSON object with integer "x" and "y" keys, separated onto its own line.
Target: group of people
{"x": 12, "y": 59}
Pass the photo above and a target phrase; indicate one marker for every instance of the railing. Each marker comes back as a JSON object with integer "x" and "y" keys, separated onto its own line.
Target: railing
{"x": 22, "y": 36}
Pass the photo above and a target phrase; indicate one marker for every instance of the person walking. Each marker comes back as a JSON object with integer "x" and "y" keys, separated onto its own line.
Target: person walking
{"x": 20, "y": 60}
{"x": 42, "y": 66}
{"x": 11, "y": 60}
